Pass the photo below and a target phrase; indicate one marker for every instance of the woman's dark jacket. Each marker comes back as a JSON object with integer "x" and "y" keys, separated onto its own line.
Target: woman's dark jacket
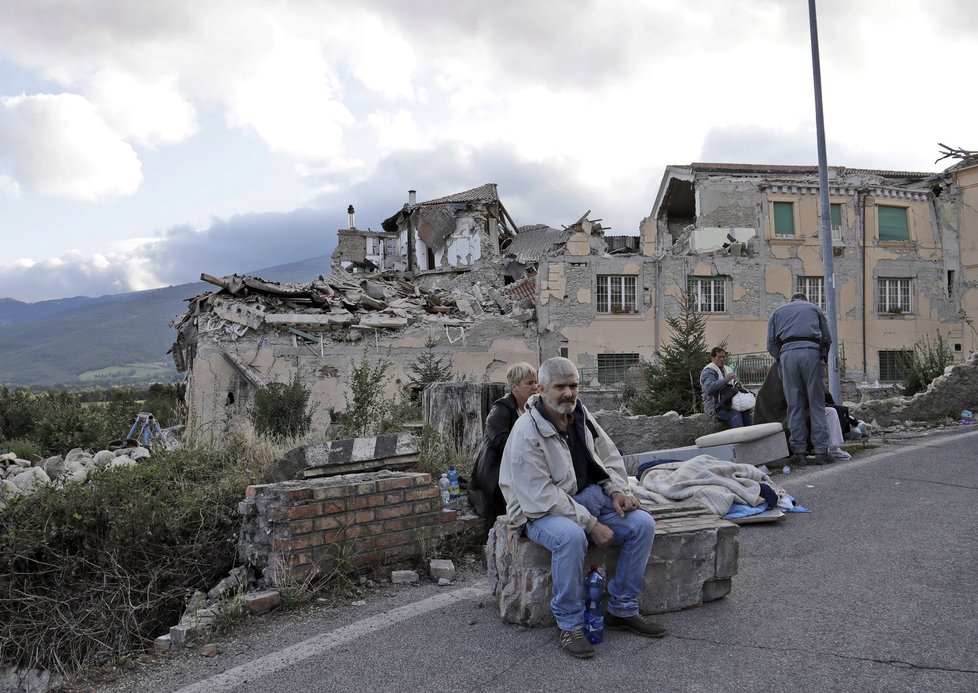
{"x": 484, "y": 494}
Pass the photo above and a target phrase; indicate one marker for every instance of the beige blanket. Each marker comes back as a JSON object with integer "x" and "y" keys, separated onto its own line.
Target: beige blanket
{"x": 713, "y": 483}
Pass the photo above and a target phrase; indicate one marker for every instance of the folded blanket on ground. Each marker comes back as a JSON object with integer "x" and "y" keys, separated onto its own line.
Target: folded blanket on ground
{"x": 713, "y": 483}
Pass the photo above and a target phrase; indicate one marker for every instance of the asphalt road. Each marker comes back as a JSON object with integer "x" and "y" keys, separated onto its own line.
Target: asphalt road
{"x": 874, "y": 590}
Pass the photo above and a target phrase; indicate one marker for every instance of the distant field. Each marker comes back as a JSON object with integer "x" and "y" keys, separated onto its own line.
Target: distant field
{"x": 155, "y": 372}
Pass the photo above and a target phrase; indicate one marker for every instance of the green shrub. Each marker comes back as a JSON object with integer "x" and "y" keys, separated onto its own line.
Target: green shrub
{"x": 437, "y": 453}
{"x": 24, "y": 449}
{"x": 18, "y": 413}
{"x": 96, "y": 570}
{"x": 281, "y": 411}
{"x": 367, "y": 411}
{"x": 925, "y": 362}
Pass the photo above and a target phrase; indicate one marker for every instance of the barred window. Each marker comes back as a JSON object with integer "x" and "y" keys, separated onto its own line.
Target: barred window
{"x": 814, "y": 288}
{"x": 892, "y": 364}
{"x": 894, "y": 296}
{"x": 706, "y": 294}
{"x": 616, "y": 293}
{"x": 612, "y": 367}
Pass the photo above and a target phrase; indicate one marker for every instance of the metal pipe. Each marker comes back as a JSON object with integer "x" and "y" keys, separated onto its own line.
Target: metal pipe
{"x": 825, "y": 214}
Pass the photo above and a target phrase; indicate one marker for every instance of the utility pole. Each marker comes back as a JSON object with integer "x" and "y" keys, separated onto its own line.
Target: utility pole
{"x": 825, "y": 214}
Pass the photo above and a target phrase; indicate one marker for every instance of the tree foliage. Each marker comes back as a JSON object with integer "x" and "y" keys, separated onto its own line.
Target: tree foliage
{"x": 368, "y": 411}
{"x": 926, "y": 361}
{"x": 429, "y": 367}
{"x": 673, "y": 384}
{"x": 281, "y": 410}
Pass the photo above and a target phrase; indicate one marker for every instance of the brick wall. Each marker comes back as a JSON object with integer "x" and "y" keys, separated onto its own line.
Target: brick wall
{"x": 295, "y": 529}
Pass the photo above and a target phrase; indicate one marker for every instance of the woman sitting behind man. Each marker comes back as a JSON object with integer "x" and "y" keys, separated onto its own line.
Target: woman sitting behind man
{"x": 713, "y": 378}
{"x": 484, "y": 494}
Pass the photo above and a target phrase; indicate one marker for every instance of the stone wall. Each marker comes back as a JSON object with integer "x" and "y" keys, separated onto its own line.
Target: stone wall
{"x": 635, "y": 434}
{"x": 946, "y": 396}
{"x": 295, "y": 530}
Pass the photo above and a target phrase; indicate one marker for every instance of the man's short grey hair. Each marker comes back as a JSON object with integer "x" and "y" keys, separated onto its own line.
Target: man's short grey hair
{"x": 517, "y": 373}
{"x": 799, "y": 296}
{"x": 557, "y": 367}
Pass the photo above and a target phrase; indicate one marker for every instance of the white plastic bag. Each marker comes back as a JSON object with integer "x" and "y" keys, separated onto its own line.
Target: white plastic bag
{"x": 743, "y": 401}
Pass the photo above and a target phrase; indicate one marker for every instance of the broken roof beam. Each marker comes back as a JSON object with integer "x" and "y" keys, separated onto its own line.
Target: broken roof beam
{"x": 340, "y": 318}
{"x": 246, "y": 371}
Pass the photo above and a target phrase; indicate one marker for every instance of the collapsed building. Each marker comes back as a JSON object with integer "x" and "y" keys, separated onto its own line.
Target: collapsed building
{"x": 738, "y": 239}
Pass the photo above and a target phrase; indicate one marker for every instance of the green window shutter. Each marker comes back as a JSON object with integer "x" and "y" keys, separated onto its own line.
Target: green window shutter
{"x": 836, "y": 211}
{"x": 893, "y": 223}
{"x": 784, "y": 219}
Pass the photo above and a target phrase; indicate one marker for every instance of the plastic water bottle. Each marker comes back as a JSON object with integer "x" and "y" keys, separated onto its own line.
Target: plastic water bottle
{"x": 445, "y": 486}
{"x": 594, "y": 605}
{"x": 453, "y": 490}
{"x": 786, "y": 470}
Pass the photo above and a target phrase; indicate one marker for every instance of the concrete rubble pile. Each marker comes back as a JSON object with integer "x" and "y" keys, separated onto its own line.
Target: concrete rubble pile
{"x": 23, "y": 477}
{"x": 337, "y": 306}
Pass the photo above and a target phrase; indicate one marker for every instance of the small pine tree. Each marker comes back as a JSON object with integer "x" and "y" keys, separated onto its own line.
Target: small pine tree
{"x": 429, "y": 368}
{"x": 673, "y": 384}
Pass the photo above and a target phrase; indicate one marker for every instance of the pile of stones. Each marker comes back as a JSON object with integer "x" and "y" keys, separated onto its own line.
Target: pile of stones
{"x": 23, "y": 477}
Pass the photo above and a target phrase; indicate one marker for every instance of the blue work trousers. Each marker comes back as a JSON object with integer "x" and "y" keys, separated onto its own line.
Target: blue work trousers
{"x": 801, "y": 378}
{"x": 567, "y": 543}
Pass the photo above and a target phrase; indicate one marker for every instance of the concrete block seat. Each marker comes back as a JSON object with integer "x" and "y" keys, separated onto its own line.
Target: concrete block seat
{"x": 758, "y": 444}
{"x": 694, "y": 558}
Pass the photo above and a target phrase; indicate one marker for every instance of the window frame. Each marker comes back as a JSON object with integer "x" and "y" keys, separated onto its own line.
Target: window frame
{"x": 887, "y": 288}
{"x": 890, "y": 366}
{"x": 906, "y": 223}
{"x": 607, "y": 296}
{"x": 697, "y": 297}
{"x": 835, "y": 210}
{"x": 802, "y": 284}
{"x": 774, "y": 219}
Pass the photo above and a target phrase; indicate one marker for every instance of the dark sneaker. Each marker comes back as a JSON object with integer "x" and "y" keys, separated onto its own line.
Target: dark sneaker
{"x": 637, "y": 624}
{"x": 796, "y": 459}
{"x": 575, "y": 644}
{"x": 821, "y": 458}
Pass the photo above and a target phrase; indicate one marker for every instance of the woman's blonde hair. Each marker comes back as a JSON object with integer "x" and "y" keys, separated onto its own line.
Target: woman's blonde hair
{"x": 518, "y": 371}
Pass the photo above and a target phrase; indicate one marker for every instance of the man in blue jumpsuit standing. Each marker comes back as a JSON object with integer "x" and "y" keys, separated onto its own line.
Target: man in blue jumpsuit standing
{"x": 798, "y": 337}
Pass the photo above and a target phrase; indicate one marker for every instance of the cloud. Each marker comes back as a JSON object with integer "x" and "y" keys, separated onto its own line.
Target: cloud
{"x": 240, "y": 244}
{"x": 58, "y": 145}
{"x": 146, "y": 113}
{"x": 9, "y": 187}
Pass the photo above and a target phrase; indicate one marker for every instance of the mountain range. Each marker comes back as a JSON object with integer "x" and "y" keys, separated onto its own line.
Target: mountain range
{"x": 119, "y": 339}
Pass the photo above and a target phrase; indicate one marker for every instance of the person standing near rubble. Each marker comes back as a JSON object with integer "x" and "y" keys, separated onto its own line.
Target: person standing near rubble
{"x": 798, "y": 337}
{"x": 484, "y": 494}
{"x": 565, "y": 483}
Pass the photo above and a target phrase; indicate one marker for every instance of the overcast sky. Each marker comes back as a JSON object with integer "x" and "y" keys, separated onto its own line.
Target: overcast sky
{"x": 142, "y": 143}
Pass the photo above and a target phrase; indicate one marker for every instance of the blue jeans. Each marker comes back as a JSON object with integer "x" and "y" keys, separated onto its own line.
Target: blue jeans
{"x": 567, "y": 543}
{"x": 735, "y": 418}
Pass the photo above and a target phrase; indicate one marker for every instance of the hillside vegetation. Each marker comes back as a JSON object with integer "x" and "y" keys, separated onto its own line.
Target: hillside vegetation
{"x": 111, "y": 340}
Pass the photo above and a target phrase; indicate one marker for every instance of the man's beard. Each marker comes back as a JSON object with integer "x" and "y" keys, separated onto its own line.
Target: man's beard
{"x": 564, "y": 406}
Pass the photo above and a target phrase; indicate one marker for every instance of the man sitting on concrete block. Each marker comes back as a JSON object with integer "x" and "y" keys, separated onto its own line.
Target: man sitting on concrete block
{"x": 565, "y": 483}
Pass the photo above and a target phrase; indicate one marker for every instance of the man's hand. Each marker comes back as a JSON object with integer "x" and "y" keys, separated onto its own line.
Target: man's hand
{"x": 602, "y": 535}
{"x": 731, "y": 376}
{"x": 623, "y": 503}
